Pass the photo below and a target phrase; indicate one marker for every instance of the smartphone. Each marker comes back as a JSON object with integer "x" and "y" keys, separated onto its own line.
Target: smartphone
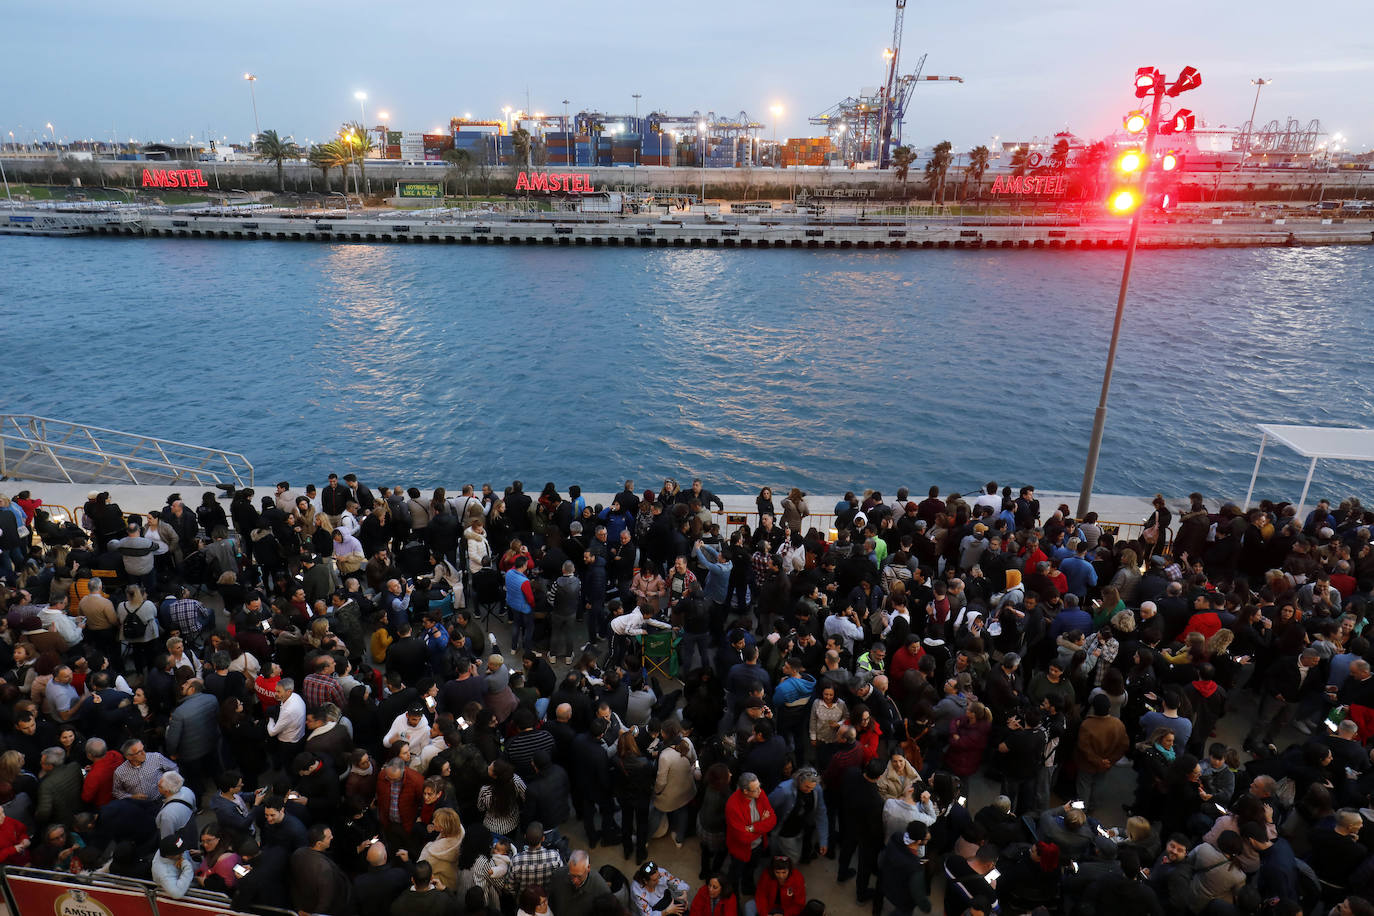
{"x": 1103, "y": 830}
{"x": 1077, "y": 805}
{"x": 462, "y": 723}
{"x": 429, "y": 701}
{"x": 992, "y": 876}
{"x": 373, "y": 840}
{"x": 266, "y": 625}
{"x": 242, "y": 870}
{"x": 963, "y": 800}
{"x": 1331, "y": 726}
{"x": 1074, "y": 865}
{"x": 293, "y": 796}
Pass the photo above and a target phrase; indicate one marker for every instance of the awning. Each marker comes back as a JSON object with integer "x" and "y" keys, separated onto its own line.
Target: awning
{"x": 1335, "y": 442}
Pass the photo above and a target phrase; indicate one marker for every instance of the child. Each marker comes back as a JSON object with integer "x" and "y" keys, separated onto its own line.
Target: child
{"x": 1218, "y": 779}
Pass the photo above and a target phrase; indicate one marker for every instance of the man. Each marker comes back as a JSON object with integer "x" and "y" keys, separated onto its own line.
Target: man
{"x": 425, "y": 896}
{"x": 188, "y": 618}
{"x": 59, "y": 788}
{"x": 177, "y": 815}
{"x": 230, "y": 808}
{"x": 749, "y": 818}
{"x": 57, "y": 619}
{"x": 548, "y": 792}
{"x": 318, "y": 884}
{"x": 102, "y": 623}
{"x": 414, "y": 729}
{"x": 288, "y": 728}
{"x": 901, "y": 869}
{"x": 193, "y": 735}
{"x": 536, "y": 864}
{"x": 1102, "y": 741}
{"x": 280, "y": 828}
{"x": 520, "y": 600}
{"x": 375, "y": 889}
{"x": 321, "y": 686}
{"x": 1290, "y": 680}
{"x": 803, "y": 829}
{"x": 1336, "y": 849}
{"x": 325, "y": 737}
{"x": 172, "y": 868}
{"x": 1168, "y": 717}
{"x": 966, "y": 879}
{"x": 574, "y": 890}
{"x": 400, "y": 792}
{"x": 137, "y": 777}
{"x": 334, "y": 499}
{"x": 60, "y": 700}
{"x": 1080, "y": 574}
{"x": 266, "y": 883}
{"x": 861, "y": 825}
{"x": 97, "y": 789}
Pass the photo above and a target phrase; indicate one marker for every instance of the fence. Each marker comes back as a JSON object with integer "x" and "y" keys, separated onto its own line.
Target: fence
{"x": 34, "y": 892}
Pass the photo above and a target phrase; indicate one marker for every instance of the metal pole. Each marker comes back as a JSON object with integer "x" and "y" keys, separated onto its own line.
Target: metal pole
{"x": 1100, "y": 416}
{"x": 1302, "y": 500}
{"x": 1260, "y": 83}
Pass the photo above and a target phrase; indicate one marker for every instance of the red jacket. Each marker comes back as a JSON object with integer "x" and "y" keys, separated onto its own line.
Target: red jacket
{"x": 740, "y": 832}
{"x": 787, "y": 898}
{"x": 98, "y": 787}
{"x": 12, "y": 833}
{"x": 903, "y": 661}
{"x": 703, "y": 905}
{"x": 411, "y": 787}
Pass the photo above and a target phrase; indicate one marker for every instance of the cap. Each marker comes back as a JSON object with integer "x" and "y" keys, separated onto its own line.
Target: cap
{"x": 1158, "y": 560}
{"x": 416, "y": 710}
{"x": 171, "y": 846}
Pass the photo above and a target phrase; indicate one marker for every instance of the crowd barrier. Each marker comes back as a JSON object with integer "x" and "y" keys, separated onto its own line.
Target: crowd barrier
{"x": 34, "y": 892}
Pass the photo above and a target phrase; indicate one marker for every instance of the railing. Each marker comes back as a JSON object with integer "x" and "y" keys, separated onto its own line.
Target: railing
{"x": 36, "y": 892}
{"x": 40, "y": 448}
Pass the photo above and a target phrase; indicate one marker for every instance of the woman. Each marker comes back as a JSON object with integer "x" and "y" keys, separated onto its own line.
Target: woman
{"x": 243, "y": 741}
{"x": 654, "y": 890}
{"x": 781, "y": 889}
{"x": 142, "y": 637}
{"x": 711, "y": 819}
{"x": 634, "y": 786}
{"x": 1108, "y": 607}
{"x": 515, "y": 549}
{"x": 210, "y": 514}
{"x": 794, "y": 510}
{"x": 867, "y": 731}
{"x": 908, "y": 807}
{"x": 1113, "y": 686}
{"x": 968, "y": 739}
{"x": 1153, "y": 759}
{"x": 533, "y": 901}
{"x": 1155, "y": 533}
{"x": 501, "y": 798}
{"x": 478, "y": 546}
{"x": 764, "y": 502}
{"x": 1142, "y": 685}
{"x": 1127, "y": 577}
{"x": 650, "y": 589}
{"x": 14, "y": 840}
{"x": 360, "y": 777}
{"x": 826, "y": 718}
{"x": 676, "y": 783}
{"x": 215, "y": 871}
{"x": 1193, "y": 524}
{"x": 443, "y": 851}
{"x": 714, "y": 898}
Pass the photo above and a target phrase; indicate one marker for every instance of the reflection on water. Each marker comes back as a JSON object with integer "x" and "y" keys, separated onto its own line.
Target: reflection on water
{"x": 823, "y": 369}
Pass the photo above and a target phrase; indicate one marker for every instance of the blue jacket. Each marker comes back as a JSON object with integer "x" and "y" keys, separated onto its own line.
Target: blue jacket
{"x": 717, "y": 585}
{"x": 594, "y": 581}
{"x": 1072, "y": 619}
{"x": 794, "y": 690}
{"x": 1079, "y": 574}
{"x": 615, "y": 523}
{"x": 515, "y": 594}
{"x": 785, "y": 796}
{"x": 193, "y": 732}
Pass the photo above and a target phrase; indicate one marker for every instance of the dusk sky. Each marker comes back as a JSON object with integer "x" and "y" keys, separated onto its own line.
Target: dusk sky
{"x": 157, "y": 71}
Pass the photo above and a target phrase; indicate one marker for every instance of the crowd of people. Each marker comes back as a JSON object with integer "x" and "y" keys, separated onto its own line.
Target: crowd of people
{"x": 307, "y": 700}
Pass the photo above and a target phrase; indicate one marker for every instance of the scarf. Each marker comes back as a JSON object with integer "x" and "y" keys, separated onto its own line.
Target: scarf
{"x": 1169, "y": 753}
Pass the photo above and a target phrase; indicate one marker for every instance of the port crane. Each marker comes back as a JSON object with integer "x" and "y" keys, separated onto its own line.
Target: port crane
{"x": 870, "y": 125}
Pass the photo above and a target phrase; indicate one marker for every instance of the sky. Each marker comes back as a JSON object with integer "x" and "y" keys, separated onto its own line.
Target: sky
{"x": 158, "y": 71}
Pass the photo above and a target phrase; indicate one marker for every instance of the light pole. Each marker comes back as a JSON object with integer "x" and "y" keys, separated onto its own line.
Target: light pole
{"x": 701, "y": 130}
{"x": 1157, "y": 87}
{"x": 253, "y": 96}
{"x": 567, "y": 134}
{"x": 54, "y": 135}
{"x": 634, "y": 169}
{"x": 385, "y": 118}
{"x": 1259, "y": 83}
{"x": 777, "y": 113}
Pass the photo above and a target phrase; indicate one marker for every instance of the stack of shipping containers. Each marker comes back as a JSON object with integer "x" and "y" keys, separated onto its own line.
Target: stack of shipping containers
{"x": 657, "y": 149}
{"x": 412, "y": 145}
{"x": 436, "y": 145}
{"x": 806, "y": 151}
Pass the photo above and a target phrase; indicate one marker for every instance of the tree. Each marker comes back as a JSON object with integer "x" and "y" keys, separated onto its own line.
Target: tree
{"x": 521, "y": 140}
{"x": 338, "y": 156}
{"x": 937, "y": 167}
{"x": 355, "y": 135}
{"x": 978, "y": 159}
{"x": 460, "y": 166}
{"x": 321, "y": 158}
{"x": 1020, "y": 160}
{"x": 902, "y": 159}
{"x": 270, "y": 147}
{"x": 1059, "y": 156}
{"x": 1089, "y": 164}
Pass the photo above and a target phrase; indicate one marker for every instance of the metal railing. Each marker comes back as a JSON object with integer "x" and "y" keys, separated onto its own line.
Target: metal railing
{"x": 196, "y": 899}
{"x": 60, "y": 451}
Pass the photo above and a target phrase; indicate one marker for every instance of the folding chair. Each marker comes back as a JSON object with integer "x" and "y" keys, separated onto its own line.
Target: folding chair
{"x": 488, "y": 595}
{"x": 659, "y": 651}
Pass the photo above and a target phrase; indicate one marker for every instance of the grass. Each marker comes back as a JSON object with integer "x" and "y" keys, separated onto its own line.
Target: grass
{"x": 64, "y": 193}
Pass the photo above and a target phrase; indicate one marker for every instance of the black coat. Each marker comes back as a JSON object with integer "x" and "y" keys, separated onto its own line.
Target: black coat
{"x": 266, "y": 882}
{"x": 547, "y": 796}
{"x": 861, "y": 815}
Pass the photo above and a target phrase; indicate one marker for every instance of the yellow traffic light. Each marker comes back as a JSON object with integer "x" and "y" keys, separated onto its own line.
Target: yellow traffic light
{"x": 1123, "y": 201}
{"x": 1136, "y": 121}
{"x": 1131, "y": 161}
{"x": 1169, "y": 161}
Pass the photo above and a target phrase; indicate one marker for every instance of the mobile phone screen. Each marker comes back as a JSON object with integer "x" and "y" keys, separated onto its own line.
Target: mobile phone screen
{"x": 1078, "y": 804}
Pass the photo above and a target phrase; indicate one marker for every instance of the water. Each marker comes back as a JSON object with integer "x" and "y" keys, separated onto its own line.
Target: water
{"x": 826, "y": 370}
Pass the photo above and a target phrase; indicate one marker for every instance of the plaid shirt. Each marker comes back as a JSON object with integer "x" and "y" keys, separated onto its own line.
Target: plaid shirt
{"x": 322, "y": 688}
{"x": 189, "y": 616}
{"x": 535, "y": 866}
{"x": 130, "y": 780}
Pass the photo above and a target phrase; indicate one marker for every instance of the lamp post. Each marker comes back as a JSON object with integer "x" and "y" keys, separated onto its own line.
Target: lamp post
{"x": 1259, "y": 83}
{"x": 253, "y": 96}
{"x": 777, "y": 113}
{"x": 567, "y": 134}
{"x": 701, "y": 130}
{"x": 385, "y": 118}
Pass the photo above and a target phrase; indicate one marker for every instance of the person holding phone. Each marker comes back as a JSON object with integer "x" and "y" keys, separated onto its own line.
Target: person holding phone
{"x": 655, "y": 890}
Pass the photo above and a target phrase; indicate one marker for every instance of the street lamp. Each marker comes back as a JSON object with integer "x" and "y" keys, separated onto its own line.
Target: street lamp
{"x": 701, "y": 132}
{"x": 777, "y": 113}
{"x": 385, "y": 118}
{"x": 567, "y": 133}
{"x": 1259, "y": 83}
{"x": 253, "y": 95}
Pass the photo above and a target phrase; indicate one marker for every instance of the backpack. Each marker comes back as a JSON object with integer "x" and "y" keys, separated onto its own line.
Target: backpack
{"x": 134, "y": 626}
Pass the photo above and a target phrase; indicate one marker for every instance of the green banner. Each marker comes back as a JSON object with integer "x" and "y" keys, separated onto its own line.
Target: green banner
{"x": 419, "y": 189}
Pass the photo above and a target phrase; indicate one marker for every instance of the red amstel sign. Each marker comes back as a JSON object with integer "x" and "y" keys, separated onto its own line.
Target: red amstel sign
{"x": 1035, "y": 185}
{"x": 554, "y": 181}
{"x": 174, "y": 178}
{"x": 40, "y": 897}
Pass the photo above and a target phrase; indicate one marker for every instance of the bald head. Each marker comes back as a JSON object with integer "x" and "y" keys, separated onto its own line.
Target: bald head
{"x": 376, "y": 854}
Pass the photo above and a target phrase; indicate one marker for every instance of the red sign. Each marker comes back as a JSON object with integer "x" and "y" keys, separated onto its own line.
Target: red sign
{"x": 40, "y": 897}
{"x": 1036, "y": 185}
{"x": 553, "y": 181}
{"x": 174, "y": 178}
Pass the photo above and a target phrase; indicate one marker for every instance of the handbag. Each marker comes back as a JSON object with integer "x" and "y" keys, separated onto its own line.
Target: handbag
{"x": 1150, "y": 534}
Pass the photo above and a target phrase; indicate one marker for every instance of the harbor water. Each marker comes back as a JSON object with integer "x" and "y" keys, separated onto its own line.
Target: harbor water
{"x": 826, "y": 370}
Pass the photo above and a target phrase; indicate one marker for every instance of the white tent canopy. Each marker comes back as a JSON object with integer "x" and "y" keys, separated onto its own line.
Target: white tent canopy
{"x": 1337, "y": 442}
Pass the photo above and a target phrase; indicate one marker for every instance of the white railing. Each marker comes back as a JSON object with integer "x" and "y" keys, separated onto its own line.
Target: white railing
{"x": 41, "y": 448}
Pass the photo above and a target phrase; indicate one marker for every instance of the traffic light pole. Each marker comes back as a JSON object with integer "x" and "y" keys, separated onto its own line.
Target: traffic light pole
{"x": 1100, "y": 416}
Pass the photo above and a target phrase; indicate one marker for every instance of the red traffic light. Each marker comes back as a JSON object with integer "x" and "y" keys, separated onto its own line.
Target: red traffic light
{"x": 1188, "y": 78}
{"x": 1130, "y": 162}
{"x": 1147, "y": 80}
{"x": 1136, "y": 121}
{"x": 1179, "y": 122}
{"x": 1164, "y": 201}
{"x": 1169, "y": 161}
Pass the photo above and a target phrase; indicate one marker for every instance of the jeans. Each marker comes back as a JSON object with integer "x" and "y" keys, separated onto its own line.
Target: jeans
{"x": 596, "y": 625}
{"x": 1089, "y": 785}
{"x": 695, "y": 644}
{"x": 677, "y": 821}
{"x": 1273, "y": 714}
{"x": 523, "y": 632}
{"x": 561, "y": 640}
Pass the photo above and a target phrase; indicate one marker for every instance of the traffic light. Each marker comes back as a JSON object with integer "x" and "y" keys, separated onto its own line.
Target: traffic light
{"x": 1123, "y": 201}
{"x": 1147, "y": 80}
{"x": 1179, "y": 122}
{"x": 1188, "y": 78}
{"x": 1164, "y": 201}
{"x": 1136, "y": 121}
{"x": 1170, "y": 161}
{"x": 1130, "y": 162}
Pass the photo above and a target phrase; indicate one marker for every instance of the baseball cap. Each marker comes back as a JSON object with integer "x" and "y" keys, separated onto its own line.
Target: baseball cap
{"x": 171, "y": 846}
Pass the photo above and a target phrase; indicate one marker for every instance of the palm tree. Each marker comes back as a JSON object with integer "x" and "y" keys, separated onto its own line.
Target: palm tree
{"x": 523, "y": 143}
{"x": 1089, "y": 163}
{"x": 978, "y": 159}
{"x": 936, "y": 168}
{"x": 460, "y": 163}
{"x": 1059, "y": 156}
{"x": 338, "y": 155}
{"x": 322, "y": 159}
{"x": 355, "y": 135}
{"x": 270, "y": 147}
{"x": 902, "y": 159}
{"x": 1020, "y": 160}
